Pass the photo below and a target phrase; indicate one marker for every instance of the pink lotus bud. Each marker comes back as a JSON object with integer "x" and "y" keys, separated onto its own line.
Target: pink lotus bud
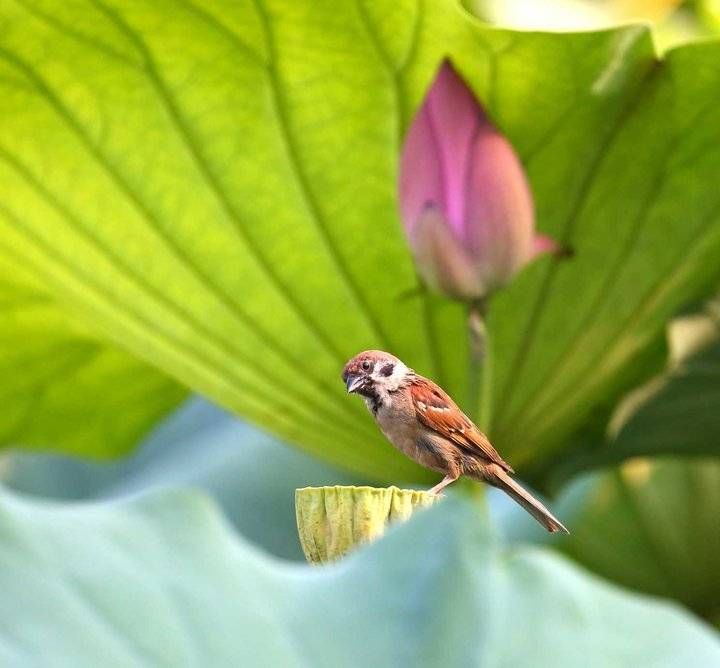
{"x": 465, "y": 202}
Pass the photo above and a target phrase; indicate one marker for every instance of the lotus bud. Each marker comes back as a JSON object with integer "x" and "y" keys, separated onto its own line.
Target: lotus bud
{"x": 465, "y": 203}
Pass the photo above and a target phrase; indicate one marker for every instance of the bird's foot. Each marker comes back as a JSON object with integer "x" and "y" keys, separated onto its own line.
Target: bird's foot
{"x": 447, "y": 480}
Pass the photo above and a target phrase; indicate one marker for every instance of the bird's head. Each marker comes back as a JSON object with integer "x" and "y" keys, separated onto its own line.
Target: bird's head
{"x": 374, "y": 370}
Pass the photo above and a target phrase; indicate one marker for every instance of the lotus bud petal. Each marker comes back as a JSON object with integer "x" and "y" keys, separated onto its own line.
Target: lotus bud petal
{"x": 465, "y": 202}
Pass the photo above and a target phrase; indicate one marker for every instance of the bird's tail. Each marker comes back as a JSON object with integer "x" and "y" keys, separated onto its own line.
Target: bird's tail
{"x": 495, "y": 475}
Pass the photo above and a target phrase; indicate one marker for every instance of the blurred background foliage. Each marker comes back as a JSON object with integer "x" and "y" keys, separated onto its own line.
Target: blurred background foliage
{"x": 673, "y": 22}
{"x": 201, "y": 199}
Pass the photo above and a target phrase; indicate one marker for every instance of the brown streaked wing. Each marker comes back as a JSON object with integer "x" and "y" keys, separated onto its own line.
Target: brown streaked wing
{"x": 437, "y": 411}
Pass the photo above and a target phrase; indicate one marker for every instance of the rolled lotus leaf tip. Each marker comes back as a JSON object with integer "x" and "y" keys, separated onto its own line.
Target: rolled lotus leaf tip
{"x": 333, "y": 520}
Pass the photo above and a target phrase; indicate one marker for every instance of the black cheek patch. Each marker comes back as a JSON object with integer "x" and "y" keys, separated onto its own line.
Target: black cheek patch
{"x": 387, "y": 370}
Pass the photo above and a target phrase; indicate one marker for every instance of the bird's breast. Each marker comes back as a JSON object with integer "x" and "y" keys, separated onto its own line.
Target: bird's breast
{"x": 400, "y": 426}
{"x": 391, "y": 418}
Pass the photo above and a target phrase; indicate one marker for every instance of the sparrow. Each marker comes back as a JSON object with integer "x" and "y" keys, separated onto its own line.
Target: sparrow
{"x": 424, "y": 423}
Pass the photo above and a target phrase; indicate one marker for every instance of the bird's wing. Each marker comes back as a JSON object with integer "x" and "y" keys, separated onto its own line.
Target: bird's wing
{"x": 437, "y": 411}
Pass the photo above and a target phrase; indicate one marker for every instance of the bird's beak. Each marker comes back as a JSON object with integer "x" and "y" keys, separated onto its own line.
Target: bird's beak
{"x": 353, "y": 383}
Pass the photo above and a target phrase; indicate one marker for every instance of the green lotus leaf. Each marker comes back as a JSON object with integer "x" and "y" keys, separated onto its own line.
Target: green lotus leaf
{"x": 211, "y": 188}
{"x": 161, "y": 580}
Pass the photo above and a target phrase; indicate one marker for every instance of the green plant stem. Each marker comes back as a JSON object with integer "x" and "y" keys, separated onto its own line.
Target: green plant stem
{"x": 480, "y": 382}
{"x": 480, "y": 367}
{"x": 477, "y": 492}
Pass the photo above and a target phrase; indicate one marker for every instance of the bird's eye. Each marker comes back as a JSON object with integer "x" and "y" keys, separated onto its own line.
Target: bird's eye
{"x": 366, "y": 365}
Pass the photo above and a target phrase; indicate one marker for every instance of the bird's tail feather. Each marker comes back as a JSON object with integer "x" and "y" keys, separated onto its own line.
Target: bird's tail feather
{"x": 499, "y": 478}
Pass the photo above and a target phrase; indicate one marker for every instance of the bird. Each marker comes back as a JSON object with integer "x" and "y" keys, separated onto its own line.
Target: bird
{"x": 421, "y": 420}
